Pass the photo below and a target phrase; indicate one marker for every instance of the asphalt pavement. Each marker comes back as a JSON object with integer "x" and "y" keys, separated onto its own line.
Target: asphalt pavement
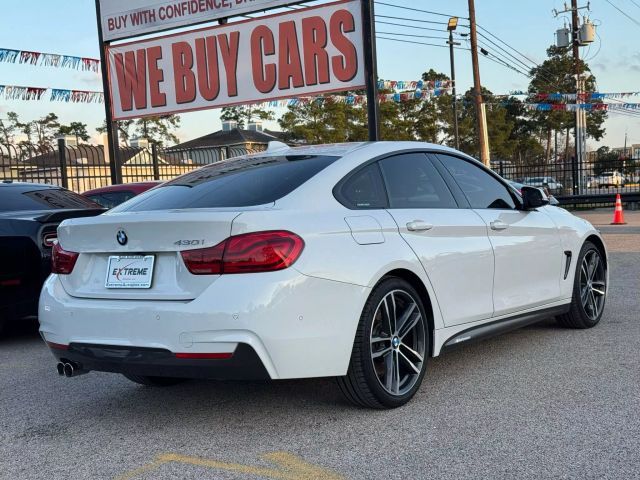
{"x": 542, "y": 402}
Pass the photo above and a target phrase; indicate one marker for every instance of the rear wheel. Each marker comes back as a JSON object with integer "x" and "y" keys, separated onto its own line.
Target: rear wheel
{"x": 154, "y": 381}
{"x": 390, "y": 351}
{"x": 589, "y": 290}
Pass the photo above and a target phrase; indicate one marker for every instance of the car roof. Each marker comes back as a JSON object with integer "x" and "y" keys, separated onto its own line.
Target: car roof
{"x": 26, "y": 185}
{"x": 137, "y": 187}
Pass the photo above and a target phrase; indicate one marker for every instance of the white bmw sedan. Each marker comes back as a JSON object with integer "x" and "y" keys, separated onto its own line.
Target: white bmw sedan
{"x": 357, "y": 261}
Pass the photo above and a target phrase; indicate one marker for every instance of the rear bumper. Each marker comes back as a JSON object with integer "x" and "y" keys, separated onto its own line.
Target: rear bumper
{"x": 298, "y": 326}
{"x": 243, "y": 365}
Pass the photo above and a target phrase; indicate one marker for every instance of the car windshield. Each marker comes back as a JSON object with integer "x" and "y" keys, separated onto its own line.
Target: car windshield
{"x": 239, "y": 182}
{"x": 18, "y": 198}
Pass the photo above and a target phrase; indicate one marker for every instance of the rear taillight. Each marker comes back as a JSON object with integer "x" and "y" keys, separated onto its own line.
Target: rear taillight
{"x": 62, "y": 261}
{"x": 49, "y": 239}
{"x": 247, "y": 253}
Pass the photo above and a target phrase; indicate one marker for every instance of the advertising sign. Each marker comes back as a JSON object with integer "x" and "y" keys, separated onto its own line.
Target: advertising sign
{"x": 302, "y": 52}
{"x": 128, "y": 18}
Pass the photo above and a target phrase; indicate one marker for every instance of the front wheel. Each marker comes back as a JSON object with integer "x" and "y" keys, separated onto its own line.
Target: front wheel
{"x": 589, "y": 290}
{"x": 391, "y": 346}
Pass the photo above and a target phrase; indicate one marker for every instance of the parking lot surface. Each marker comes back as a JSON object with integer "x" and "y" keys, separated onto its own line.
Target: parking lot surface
{"x": 542, "y": 402}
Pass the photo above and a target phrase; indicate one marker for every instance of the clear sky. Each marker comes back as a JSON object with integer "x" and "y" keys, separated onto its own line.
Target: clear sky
{"x": 69, "y": 27}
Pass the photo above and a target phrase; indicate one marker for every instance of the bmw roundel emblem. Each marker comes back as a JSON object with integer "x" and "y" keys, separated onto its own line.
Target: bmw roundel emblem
{"x": 121, "y": 236}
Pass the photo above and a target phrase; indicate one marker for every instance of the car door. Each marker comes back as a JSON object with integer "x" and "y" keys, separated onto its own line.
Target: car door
{"x": 451, "y": 242}
{"x": 526, "y": 244}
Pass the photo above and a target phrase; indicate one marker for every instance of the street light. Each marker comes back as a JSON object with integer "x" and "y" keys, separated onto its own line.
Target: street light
{"x": 451, "y": 26}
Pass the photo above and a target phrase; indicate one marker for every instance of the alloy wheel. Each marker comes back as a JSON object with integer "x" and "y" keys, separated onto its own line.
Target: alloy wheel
{"x": 593, "y": 287}
{"x": 398, "y": 342}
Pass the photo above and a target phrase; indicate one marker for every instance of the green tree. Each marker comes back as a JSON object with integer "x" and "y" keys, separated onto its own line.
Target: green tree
{"x": 158, "y": 129}
{"x": 77, "y": 129}
{"x": 9, "y": 127}
{"x": 40, "y": 132}
{"x": 245, "y": 114}
{"x": 557, "y": 74}
{"x": 606, "y": 160}
{"x": 124, "y": 130}
{"x": 324, "y": 122}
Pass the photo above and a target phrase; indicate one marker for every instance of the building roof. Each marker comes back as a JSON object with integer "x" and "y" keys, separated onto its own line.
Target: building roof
{"x": 92, "y": 155}
{"x": 223, "y": 138}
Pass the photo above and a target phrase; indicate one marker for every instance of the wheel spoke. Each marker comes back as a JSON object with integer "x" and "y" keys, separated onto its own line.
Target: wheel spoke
{"x": 386, "y": 308}
{"x": 585, "y": 275}
{"x": 380, "y": 339}
{"x": 598, "y": 283}
{"x": 584, "y": 295}
{"x": 595, "y": 264}
{"x": 381, "y": 353}
{"x": 389, "y": 371}
{"x": 413, "y": 323}
{"x": 404, "y": 318}
{"x": 592, "y": 302}
{"x": 409, "y": 362}
{"x": 416, "y": 355}
{"x": 598, "y": 291}
{"x": 394, "y": 324}
{"x": 397, "y": 365}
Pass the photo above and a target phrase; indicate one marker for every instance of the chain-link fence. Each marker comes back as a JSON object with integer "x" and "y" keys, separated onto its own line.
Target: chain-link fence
{"x": 84, "y": 167}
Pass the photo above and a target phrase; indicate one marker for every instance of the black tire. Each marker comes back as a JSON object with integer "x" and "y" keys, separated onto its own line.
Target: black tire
{"x": 362, "y": 385}
{"x": 578, "y": 317}
{"x": 153, "y": 381}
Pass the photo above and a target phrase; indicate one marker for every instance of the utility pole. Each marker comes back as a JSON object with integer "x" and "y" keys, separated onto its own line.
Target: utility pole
{"x": 575, "y": 26}
{"x": 371, "y": 69}
{"x": 481, "y": 119}
{"x": 112, "y": 129}
{"x": 452, "y": 25}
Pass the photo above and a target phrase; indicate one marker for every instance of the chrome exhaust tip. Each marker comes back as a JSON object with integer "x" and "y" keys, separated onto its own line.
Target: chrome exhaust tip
{"x": 60, "y": 368}
{"x": 69, "y": 370}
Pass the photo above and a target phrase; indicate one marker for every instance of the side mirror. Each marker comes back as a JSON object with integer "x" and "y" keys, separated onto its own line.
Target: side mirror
{"x": 533, "y": 198}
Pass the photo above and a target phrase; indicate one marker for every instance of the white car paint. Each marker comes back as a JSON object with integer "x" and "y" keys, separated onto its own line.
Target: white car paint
{"x": 301, "y": 321}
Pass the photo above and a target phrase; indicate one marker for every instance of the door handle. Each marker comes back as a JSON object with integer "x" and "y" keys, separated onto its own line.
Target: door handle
{"x": 418, "y": 226}
{"x": 498, "y": 225}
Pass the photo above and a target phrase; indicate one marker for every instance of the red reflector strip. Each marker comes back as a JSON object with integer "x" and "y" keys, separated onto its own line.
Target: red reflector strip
{"x": 14, "y": 282}
{"x": 208, "y": 356}
{"x": 58, "y": 346}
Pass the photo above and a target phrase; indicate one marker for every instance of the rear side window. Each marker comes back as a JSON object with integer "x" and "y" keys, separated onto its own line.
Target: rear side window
{"x": 413, "y": 182}
{"x": 18, "y": 198}
{"x": 111, "y": 199}
{"x": 239, "y": 182}
{"x": 482, "y": 189}
{"x": 364, "y": 189}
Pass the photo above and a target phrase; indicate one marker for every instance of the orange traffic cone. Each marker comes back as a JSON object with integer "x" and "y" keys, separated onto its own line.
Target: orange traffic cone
{"x": 618, "y": 214}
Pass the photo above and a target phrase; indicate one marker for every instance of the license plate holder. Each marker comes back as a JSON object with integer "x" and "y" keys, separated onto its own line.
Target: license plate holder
{"x": 129, "y": 271}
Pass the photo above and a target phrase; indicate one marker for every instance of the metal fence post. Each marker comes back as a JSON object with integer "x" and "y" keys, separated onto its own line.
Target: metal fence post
{"x": 154, "y": 160}
{"x": 62, "y": 157}
{"x": 501, "y": 168}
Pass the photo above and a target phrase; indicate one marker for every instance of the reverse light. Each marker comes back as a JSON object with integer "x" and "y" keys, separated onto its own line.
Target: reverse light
{"x": 49, "y": 239}
{"x": 62, "y": 261}
{"x": 247, "y": 253}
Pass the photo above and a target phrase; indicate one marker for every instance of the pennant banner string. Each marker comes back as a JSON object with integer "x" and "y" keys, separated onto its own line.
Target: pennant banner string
{"x": 16, "y": 92}
{"x": 42, "y": 59}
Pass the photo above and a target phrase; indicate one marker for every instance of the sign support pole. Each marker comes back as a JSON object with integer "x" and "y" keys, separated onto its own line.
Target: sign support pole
{"x": 371, "y": 69}
{"x": 112, "y": 129}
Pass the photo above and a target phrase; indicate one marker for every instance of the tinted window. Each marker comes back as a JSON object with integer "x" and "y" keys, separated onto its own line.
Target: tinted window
{"x": 364, "y": 189}
{"x": 19, "y": 198}
{"x": 111, "y": 199}
{"x": 240, "y": 182}
{"x": 413, "y": 182}
{"x": 481, "y": 188}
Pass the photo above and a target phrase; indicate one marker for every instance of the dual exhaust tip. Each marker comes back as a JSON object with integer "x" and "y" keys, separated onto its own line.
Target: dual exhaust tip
{"x": 69, "y": 369}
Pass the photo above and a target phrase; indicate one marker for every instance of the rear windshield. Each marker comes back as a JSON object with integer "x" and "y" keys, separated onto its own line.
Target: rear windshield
{"x": 14, "y": 199}
{"x": 240, "y": 182}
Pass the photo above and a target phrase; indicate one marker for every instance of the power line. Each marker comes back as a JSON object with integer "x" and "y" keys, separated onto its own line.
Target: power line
{"x": 419, "y": 43}
{"x": 411, "y": 19}
{"x": 419, "y": 10}
{"x": 412, "y": 35}
{"x": 409, "y": 26}
{"x": 623, "y": 12}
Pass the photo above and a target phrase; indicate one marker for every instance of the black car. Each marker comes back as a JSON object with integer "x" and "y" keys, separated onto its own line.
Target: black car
{"x": 29, "y": 217}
